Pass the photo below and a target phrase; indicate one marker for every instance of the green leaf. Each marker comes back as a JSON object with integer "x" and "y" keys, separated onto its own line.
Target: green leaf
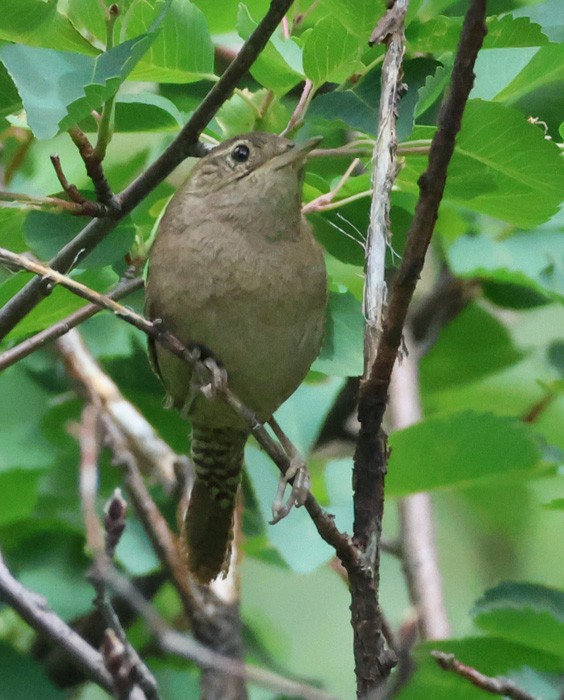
{"x": 39, "y": 23}
{"x": 22, "y": 677}
{"x": 358, "y": 16}
{"x": 57, "y": 305}
{"x": 556, "y": 504}
{"x": 312, "y": 551}
{"x": 342, "y": 351}
{"x": 11, "y": 234}
{"x": 518, "y": 178}
{"x": 72, "y": 84}
{"x": 19, "y": 491}
{"x": 538, "y": 684}
{"x": 458, "y": 450}
{"x": 433, "y": 89}
{"x": 55, "y": 568}
{"x": 357, "y": 106}
{"x": 548, "y": 14}
{"x": 493, "y": 656}
{"x": 244, "y": 112}
{"x": 279, "y": 66}
{"x": 303, "y": 414}
{"x": 545, "y": 67}
{"x": 174, "y": 681}
{"x": 22, "y": 409}
{"x": 338, "y": 480}
{"x": 529, "y": 259}
{"x": 507, "y": 31}
{"x": 442, "y": 33}
{"x": 89, "y": 18}
{"x": 9, "y": 99}
{"x": 331, "y": 53}
{"x": 222, "y": 16}
{"x": 143, "y": 111}
{"x": 182, "y": 52}
{"x": 46, "y": 233}
{"x": 525, "y": 613}
{"x": 344, "y": 277}
{"x": 474, "y": 345}
{"x": 135, "y": 551}
{"x": 496, "y": 68}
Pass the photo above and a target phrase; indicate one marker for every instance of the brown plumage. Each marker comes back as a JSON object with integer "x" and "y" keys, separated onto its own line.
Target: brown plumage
{"x": 235, "y": 270}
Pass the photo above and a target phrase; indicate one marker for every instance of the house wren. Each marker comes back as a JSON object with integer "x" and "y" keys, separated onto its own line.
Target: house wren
{"x": 235, "y": 271}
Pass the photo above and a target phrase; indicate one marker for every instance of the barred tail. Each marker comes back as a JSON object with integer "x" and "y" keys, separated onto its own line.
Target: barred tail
{"x": 208, "y": 527}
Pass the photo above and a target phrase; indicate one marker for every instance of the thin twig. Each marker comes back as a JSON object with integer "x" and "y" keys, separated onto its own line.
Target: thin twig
{"x": 37, "y": 341}
{"x": 361, "y": 149}
{"x": 36, "y": 613}
{"x": 164, "y": 542}
{"x": 431, "y": 185}
{"x": 496, "y": 686}
{"x": 85, "y": 208}
{"x": 94, "y": 168}
{"x": 383, "y": 175}
{"x": 89, "y": 441}
{"x": 299, "y": 113}
{"x": 322, "y": 202}
{"x": 102, "y": 545}
{"x": 106, "y": 124}
{"x": 71, "y": 190}
{"x": 184, "y": 145}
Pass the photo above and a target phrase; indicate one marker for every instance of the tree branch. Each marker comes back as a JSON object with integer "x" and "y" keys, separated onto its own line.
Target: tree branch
{"x": 184, "y": 145}
{"x": 36, "y": 613}
{"x": 120, "y": 658}
{"x": 496, "y": 686}
{"x": 37, "y": 341}
{"x": 372, "y": 662}
{"x": 417, "y": 534}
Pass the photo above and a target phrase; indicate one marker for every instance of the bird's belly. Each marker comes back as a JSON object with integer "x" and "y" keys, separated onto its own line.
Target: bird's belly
{"x": 262, "y": 321}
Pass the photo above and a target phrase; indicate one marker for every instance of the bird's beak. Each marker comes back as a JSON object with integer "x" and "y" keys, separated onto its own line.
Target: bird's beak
{"x": 297, "y": 155}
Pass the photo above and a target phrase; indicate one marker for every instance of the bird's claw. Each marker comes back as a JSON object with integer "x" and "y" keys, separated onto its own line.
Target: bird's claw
{"x": 299, "y": 493}
{"x": 218, "y": 382}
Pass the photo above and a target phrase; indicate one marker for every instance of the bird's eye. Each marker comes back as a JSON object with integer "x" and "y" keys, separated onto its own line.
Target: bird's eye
{"x": 240, "y": 153}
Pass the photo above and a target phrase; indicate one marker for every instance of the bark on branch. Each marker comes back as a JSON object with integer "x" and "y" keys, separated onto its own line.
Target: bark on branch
{"x": 373, "y": 660}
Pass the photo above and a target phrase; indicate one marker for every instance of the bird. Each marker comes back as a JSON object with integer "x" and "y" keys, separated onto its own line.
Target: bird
{"x": 236, "y": 273}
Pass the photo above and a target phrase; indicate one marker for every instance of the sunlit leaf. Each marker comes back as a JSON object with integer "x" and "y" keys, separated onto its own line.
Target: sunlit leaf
{"x": 279, "y": 66}
{"x": 330, "y": 52}
{"x": 182, "y": 51}
{"x": 40, "y": 23}
{"x": 73, "y": 84}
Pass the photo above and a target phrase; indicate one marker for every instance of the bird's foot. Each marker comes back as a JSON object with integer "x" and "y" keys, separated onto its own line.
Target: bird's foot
{"x": 218, "y": 379}
{"x": 300, "y": 488}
